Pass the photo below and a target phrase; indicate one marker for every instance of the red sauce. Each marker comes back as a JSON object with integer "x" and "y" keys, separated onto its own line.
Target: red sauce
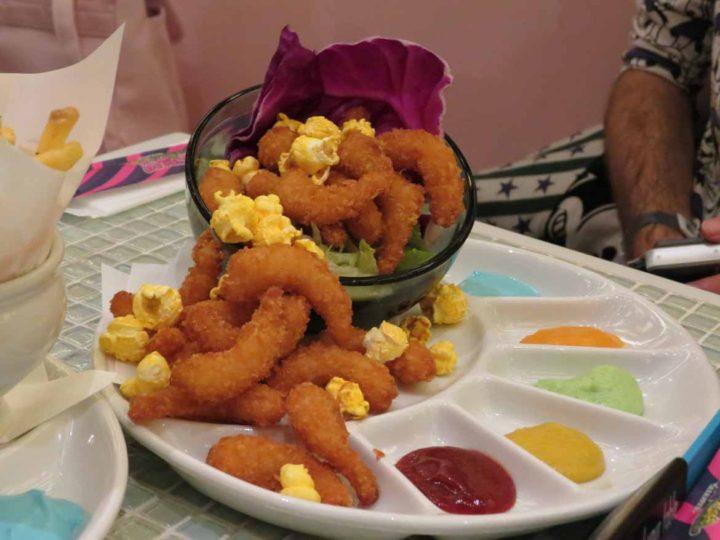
{"x": 458, "y": 480}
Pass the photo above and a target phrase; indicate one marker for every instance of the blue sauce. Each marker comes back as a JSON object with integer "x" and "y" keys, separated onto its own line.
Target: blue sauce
{"x": 35, "y": 516}
{"x": 488, "y": 284}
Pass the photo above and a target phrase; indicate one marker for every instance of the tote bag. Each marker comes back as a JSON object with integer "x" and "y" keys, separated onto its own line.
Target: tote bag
{"x": 40, "y": 35}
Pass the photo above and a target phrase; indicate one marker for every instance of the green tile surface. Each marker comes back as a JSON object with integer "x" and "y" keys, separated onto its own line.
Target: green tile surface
{"x": 158, "y": 503}
{"x": 673, "y": 311}
{"x": 680, "y": 301}
{"x": 653, "y": 293}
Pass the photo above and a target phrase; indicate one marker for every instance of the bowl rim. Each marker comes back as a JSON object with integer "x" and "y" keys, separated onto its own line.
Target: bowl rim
{"x": 37, "y": 276}
{"x": 453, "y": 246}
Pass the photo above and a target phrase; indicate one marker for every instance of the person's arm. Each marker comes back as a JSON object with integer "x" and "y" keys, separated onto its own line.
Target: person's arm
{"x": 649, "y": 153}
{"x": 649, "y": 139}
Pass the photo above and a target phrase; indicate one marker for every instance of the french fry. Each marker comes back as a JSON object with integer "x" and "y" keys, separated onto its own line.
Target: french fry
{"x": 58, "y": 127}
{"x": 61, "y": 158}
{"x": 7, "y": 133}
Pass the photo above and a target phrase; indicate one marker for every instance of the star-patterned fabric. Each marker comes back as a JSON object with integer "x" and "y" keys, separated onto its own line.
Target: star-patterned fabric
{"x": 562, "y": 193}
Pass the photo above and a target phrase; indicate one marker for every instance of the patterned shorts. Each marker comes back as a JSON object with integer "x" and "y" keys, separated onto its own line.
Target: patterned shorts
{"x": 561, "y": 195}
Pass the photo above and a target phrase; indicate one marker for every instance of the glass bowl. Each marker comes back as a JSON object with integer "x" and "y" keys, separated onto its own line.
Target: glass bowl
{"x": 375, "y": 298}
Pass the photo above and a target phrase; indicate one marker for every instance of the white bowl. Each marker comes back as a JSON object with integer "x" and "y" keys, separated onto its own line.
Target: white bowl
{"x": 79, "y": 455}
{"x": 32, "y": 311}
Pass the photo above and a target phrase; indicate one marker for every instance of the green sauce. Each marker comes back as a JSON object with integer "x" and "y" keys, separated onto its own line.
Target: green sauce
{"x": 606, "y": 385}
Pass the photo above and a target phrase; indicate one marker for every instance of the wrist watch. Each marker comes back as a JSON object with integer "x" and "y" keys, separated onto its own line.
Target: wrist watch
{"x": 690, "y": 228}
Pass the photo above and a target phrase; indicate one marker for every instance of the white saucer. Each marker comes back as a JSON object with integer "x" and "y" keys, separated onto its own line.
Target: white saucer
{"x": 490, "y": 394}
{"x": 80, "y": 455}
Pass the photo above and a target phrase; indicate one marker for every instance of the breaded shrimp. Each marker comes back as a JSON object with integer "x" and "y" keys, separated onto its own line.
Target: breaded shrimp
{"x": 415, "y": 365}
{"x": 336, "y": 177}
{"x": 361, "y": 154}
{"x": 252, "y": 271}
{"x": 334, "y": 234}
{"x": 258, "y": 460}
{"x": 263, "y": 182}
{"x": 276, "y": 141}
{"x": 431, "y": 158}
{"x": 260, "y": 405}
{"x": 121, "y": 304}
{"x": 367, "y": 225}
{"x": 274, "y": 330}
{"x": 315, "y": 416}
{"x": 169, "y": 341}
{"x": 187, "y": 351}
{"x": 305, "y": 202}
{"x": 216, "y": 179}
{"x": 214, "y": 325}
{"x": 320, "y": 361}
{"x": 201, "y": 278}
{"x": 401, "y": 206}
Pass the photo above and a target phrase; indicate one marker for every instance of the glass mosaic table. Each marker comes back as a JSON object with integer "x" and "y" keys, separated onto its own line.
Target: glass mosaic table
{"x": 158, "y": 503}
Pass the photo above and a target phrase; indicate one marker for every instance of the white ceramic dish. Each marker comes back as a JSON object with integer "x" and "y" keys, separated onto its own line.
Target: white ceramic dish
{"x": 79, "y": 455}
{"x": 32, "y": 311}
{"x": 489, "y": 395}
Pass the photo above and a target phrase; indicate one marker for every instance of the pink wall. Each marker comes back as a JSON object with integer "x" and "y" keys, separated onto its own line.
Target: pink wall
{"x": 526, "y": 71}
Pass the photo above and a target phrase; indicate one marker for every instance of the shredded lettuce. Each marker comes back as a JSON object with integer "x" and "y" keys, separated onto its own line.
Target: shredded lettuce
{"x": 356, "y": 264}
{"x": 315, "y": 234}
{"x": 412, "y": 258}
{"x": 360, "y": 261}
{"x": 416, "y": 239}
{"x": 351, "y": 260}
{"x": 339, "y": 258}
{"x": 366, "y": 262}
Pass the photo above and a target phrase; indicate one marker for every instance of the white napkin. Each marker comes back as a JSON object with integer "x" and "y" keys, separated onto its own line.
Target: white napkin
{"x": 33, "y": 196}
{"x": 114, "y": 201}
{"x": 114, "y": 280}
{"x": 37, "y": 399}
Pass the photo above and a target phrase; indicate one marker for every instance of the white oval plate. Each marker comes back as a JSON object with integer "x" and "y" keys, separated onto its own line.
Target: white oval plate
{"x": 80, "y": 455}
{"x": 489, "y": 395}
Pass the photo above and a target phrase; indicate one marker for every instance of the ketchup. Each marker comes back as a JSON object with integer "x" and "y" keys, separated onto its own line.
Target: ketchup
{"x": 458, "y": 480}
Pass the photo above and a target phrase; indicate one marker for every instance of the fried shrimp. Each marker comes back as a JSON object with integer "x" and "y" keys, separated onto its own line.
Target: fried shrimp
{"x": 262, "y": 183}
{"x": 415, "y": 365}
{"x": 315, "y": 416}
{"x": 201, "y": 278}
{"x": 274, "y": 330}
{"x": 169, "y": 341}
{"x": 431, "y": 158}
{"x": 367, "y": 225}
{"x": 361, "y": 154}
{"x": 214, "y": 325}
{"x": 319, "y": 362}
{"x": 121, "y": 304}
{"x": 401, "y": 206}
{"x": 260, "y": 405}
{"x": 252, "y": 271}
{"x": 334, "y": 234}
{"x": 276, "y": 141}
{"x": 258, "y": 460}
{"x": 216, "y": 179}
{"x": 305, "y": 202}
